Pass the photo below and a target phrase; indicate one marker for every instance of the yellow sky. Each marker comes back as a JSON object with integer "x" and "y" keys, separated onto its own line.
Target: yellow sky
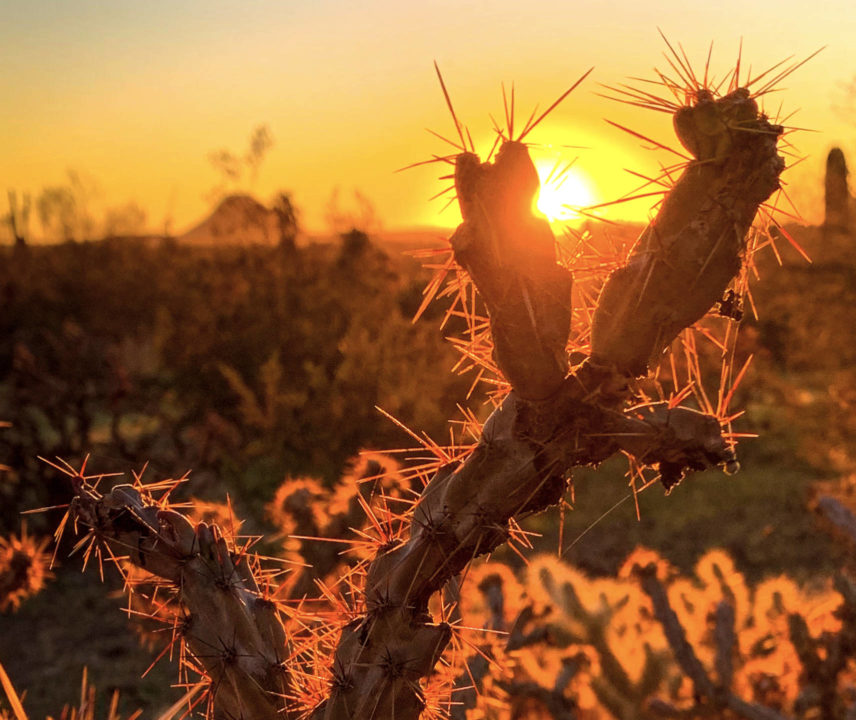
{"x": 136, "y": 95}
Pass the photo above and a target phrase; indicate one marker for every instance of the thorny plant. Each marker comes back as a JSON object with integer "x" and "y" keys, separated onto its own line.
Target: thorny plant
{"x": 23, "y": 568}
{"x": 384, "y": 643}
{"x": 653, "y": 643}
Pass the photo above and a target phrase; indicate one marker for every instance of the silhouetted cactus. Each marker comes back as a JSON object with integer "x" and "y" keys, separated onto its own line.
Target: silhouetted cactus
{"x": 838, "y": 199}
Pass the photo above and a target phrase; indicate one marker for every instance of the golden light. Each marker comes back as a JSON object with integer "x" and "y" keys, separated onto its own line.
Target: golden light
{"x": 563, "y": 189}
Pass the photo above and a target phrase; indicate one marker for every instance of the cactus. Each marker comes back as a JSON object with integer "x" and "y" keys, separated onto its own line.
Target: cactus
{"x": 23, "y": 568}
{"x": 552, "y": 419}
{"x": 837, "y": 217}
{"x": 653, "y": 643}
{"x": 699, "y": 237}
{"x": 229, "y": 625}
{"x": 306, "y": 512}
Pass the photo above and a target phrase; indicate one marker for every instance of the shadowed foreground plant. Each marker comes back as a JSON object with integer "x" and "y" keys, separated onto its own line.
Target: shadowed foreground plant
{"x": 317, "y": 523}
{"x": 552, "y": 419}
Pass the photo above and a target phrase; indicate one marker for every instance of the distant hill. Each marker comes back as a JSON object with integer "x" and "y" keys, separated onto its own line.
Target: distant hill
{"x": 237, "y": 220}
{"x": 243, "y": 220}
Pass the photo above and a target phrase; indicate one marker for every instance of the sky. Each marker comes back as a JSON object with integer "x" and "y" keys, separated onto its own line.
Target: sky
{"x": 135, "y": 96}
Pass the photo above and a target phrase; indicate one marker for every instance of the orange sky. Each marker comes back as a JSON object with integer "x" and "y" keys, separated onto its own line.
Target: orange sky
{"x": 136, "y": 95}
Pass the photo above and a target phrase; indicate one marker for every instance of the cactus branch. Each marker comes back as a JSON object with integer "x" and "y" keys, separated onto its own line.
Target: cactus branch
{"x": 230, "y": 629}
{"x": 685, "y": 259}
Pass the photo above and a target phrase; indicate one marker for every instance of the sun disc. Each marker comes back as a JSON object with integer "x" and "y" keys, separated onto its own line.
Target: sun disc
{"x": 562, "y": 192}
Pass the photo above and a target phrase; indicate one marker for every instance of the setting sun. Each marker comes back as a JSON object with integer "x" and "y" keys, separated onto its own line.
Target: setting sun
{"x": 564, "y": 188}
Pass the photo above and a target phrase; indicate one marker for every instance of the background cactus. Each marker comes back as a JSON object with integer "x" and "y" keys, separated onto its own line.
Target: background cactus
{"x": 654, "y": 643}
{"x": 24, "y": 568}
{"x": 838, "y": 199}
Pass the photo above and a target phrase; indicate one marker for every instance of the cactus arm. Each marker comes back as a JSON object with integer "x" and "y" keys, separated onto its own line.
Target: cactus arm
{"x": 685, "y": 259}
{"x": 230, "y": 629}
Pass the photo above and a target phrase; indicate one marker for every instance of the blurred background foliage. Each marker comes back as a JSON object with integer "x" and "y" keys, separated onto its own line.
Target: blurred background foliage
{"x": 259, "y": 369}
{"x": 240, "y": 364}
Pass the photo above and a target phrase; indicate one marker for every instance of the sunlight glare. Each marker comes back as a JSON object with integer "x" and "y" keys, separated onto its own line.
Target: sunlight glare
{"x": 563, "y": 190}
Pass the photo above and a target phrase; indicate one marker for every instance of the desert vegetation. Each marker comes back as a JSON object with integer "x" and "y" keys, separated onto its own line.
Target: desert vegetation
{"x": 296, "y": 571}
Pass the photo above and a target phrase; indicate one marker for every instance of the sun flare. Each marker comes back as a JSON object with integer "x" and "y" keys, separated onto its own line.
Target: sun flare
{"x": 563, "y": 190}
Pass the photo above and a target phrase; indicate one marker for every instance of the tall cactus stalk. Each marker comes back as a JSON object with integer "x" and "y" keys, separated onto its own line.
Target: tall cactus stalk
{"x": 837, "y": 195}
{"x": 553, "y": 419}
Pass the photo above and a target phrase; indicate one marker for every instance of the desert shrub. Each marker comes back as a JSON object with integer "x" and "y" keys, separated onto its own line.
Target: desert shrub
{"x": 123, "y": 350}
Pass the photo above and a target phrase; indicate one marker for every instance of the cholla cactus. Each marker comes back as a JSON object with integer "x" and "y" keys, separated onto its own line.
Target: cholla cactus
{"x": 550, "y": 419}
{"x": 773, "y": 648}
{"x": 837, "y": 195}
{"x": 24, "y": 568}
{"x": 654, "y": 643}
{"x": 317, "y": 523}
{"x": 229, "y": 628}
